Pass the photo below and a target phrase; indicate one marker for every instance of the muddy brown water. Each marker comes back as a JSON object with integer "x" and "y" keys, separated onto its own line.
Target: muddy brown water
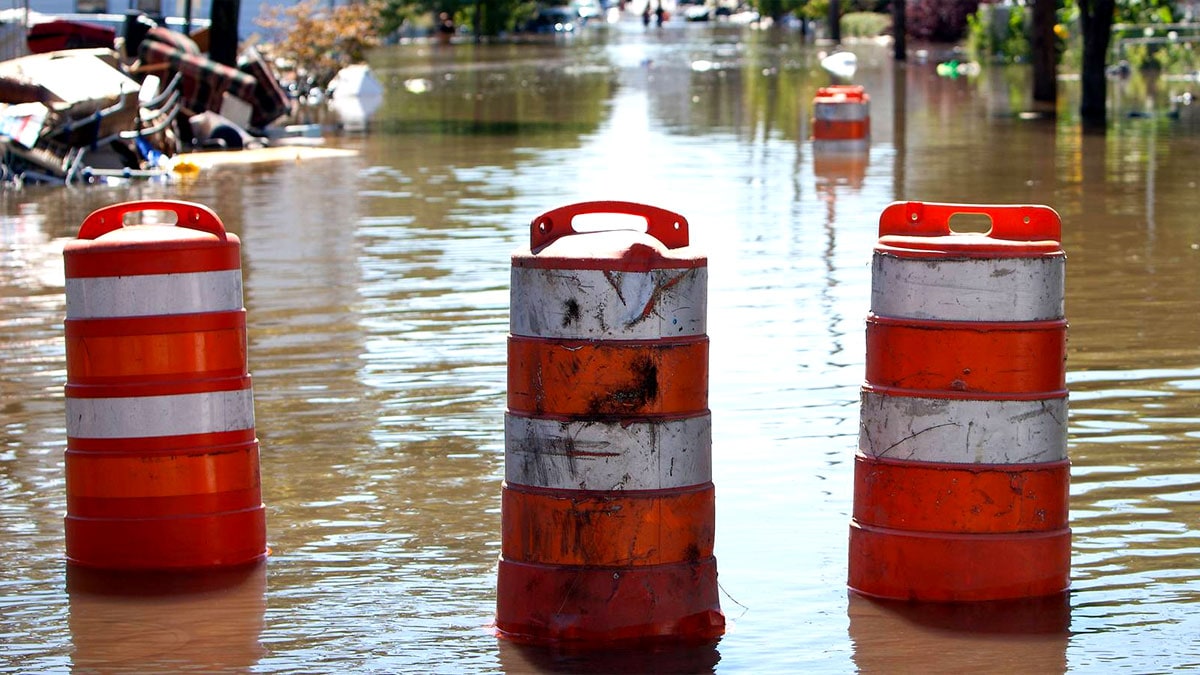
{"x": 377, "y": 295}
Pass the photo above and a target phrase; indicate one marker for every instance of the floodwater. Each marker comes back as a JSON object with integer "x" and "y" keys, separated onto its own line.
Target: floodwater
{"x": 377, "y": 295}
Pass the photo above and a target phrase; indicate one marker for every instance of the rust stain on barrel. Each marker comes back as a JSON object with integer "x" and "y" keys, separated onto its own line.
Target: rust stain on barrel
{"x": 641, "y": 390}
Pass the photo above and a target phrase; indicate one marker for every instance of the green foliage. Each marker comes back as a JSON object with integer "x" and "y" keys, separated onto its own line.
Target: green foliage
{"x": 859, "y": 18}
{"x": 1178, "y": 56}
{"x": 1145, "y": 11}
{"x": 780, "y": 8}
{"x": 980, "y": 44}
{"x": 865, "y": 24}
{"x": 491, "y": 17}
{"x": 813, "y": 10}
{"x": 394, "y": 14}
{"x": 1157, "y": 46}
{"x": 998, "y": 34}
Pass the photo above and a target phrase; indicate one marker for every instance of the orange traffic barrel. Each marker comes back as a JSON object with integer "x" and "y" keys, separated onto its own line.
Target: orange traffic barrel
{"x": 961, "y": 478}
{"x": 607, "y": 508}
{"x": 162, "y": 462}
{"x": 842, "y": 112}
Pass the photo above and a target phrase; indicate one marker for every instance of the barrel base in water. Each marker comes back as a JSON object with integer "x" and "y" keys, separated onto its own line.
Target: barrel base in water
{"x": 180, "y": 543}
{"x": 555, "y": 604}
{"x": 950, "y": 567}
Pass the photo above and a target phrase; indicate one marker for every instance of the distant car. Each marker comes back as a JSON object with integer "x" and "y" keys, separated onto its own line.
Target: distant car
{"x": 693, "y": 10}
{"x": 553, "y": 20}
{"x": 588, "y": 9}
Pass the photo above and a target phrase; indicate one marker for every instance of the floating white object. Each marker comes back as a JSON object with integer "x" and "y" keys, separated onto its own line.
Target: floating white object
{"x": 355, "y": 81}
{"x": 841, "y": 64}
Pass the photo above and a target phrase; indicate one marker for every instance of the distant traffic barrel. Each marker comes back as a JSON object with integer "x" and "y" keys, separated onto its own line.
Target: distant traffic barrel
{"x": 962, "y": 476}
{"x": 162, "y": 462}
{"x": 842, "y": 112}
{"x": 607, "y": 508}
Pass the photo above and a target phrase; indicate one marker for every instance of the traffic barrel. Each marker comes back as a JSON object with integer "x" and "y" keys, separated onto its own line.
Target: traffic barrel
{"x": 842, "y": 112}
{"x": 162, "y": 462}
{"x": 607, "y": 508}
{"x": 961, "y": 478}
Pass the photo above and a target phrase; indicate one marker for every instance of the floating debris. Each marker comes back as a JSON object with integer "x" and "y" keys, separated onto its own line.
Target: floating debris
{"x": 134, "y": 106}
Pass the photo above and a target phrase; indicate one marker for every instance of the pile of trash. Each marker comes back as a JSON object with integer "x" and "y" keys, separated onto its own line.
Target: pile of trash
{"x": 127, "y": 109}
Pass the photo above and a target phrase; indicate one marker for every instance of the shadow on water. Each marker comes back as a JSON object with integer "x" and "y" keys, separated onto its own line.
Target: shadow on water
{"x": 210, "y": 621}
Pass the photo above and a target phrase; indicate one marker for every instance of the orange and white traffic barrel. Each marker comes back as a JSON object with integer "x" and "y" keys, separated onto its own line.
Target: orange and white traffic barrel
{"x": 607, "y": 509}
{"x": 162, "y": 462}
{"x": 962, "y": 476}
{"x": 841, "y": 113}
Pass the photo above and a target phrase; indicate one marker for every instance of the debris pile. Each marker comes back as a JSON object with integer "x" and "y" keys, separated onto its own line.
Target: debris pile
{"x": 127, "y": 110}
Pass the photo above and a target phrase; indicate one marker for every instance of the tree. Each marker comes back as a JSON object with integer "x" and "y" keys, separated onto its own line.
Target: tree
{"x": 777, "y": 9}
{"x": 394, "y": 14}
{"x": 223, "y": 37}
{"x": 1044, "y": 51}
{"x": 938, "y": 20}
{"x": 1096, "y": 19}
{"x": 320, "y": 41}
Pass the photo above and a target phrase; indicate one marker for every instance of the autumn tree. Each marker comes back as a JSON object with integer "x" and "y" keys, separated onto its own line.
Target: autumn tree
{"x": 320, "y": 40}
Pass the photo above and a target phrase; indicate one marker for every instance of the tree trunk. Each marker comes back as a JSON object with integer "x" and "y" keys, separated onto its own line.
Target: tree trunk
{"x": 899, "y": 130}
{"x": 899, "y": 30}
{"x": 223, "y": 40}
{"x": 835, "y": 21}
{"x": 1045, "y": 53}
{"x": 1096, "y": 17}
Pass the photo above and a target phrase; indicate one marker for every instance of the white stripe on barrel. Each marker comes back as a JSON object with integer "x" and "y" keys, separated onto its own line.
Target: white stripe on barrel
{"x": 154, "y": 294}
{"x": 149, "y": 416}
{"x": 619, "y": 305}
{"x": 850, "y": 148}
{"x": 963, "y": 430}
{"x": 841, "y": 109}
{"x": 968, "y": 289}
{"x": 608, "y": 455}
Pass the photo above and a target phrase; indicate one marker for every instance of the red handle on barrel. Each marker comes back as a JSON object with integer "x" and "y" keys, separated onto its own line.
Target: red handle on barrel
{"x": 851, "y": 93}
{"x": 187, "y": 214}
{"x": 1016, "y": 222}
{"x": 666, "y": 226}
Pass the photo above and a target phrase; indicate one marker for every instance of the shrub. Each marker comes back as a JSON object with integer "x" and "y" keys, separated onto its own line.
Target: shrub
{"x": 866, "y": 24}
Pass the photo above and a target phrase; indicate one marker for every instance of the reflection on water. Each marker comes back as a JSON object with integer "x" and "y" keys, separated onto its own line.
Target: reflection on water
{"x": 1030, "y": 635}
{"x": 377, "y": 291}
{"x": 208, "y": 622}
{"x": 667, "y": 659}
